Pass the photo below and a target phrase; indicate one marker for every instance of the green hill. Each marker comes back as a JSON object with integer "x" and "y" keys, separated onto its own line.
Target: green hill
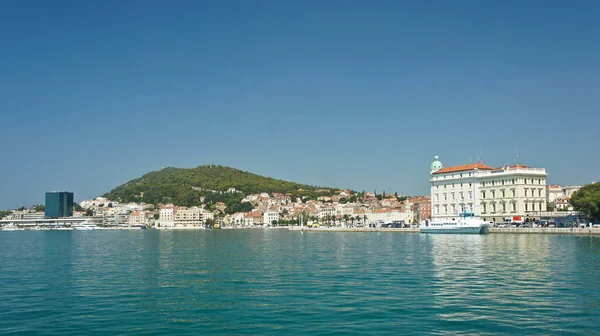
{"x": 185, "y": 186}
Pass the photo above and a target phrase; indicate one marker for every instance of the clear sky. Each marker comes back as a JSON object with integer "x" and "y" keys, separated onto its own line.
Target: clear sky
{"x": 352, "y": 94}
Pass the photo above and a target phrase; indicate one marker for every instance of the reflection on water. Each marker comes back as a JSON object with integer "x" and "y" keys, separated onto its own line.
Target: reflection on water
{"x": 280, "y": 282}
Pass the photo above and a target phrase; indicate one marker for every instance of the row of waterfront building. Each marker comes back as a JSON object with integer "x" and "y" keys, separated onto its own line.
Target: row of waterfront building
{"x": 267, "y": 209}
{"x": 513, "y": 193}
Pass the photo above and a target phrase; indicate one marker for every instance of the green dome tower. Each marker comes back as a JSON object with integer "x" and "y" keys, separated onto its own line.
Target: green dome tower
{"x": 436, "y": 165}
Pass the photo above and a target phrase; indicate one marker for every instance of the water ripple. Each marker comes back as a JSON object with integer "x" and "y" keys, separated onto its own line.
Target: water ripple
{"x": 273, "y": 282}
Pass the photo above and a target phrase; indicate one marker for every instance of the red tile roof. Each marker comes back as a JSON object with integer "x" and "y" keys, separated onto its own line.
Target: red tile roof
{"x": 471, "y": 166}
{"x": 519, "y": 166}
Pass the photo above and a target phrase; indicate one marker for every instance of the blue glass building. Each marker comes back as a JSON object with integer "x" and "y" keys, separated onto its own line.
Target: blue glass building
{"x": 59, "y": 204}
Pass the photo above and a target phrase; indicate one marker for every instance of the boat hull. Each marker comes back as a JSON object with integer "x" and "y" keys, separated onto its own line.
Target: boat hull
{"x": 455, "y": 230}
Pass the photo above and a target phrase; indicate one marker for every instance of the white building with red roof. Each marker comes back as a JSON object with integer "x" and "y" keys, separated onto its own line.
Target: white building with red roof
{"x": 496, "y": 194}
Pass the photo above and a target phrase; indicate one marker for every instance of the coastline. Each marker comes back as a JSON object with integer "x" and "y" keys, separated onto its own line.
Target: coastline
{"x": 492, "y": 230}
{"x": 570, "y": 231}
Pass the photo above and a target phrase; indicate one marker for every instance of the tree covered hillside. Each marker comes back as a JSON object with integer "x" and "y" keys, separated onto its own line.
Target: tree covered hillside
{"x": 185, "y": 186}
{"x": 587, "y": 200}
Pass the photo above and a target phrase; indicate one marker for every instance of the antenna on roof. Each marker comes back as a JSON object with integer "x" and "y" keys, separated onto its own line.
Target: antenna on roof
{"x": 517, "y": 158}
{"x": 480, "y": 156}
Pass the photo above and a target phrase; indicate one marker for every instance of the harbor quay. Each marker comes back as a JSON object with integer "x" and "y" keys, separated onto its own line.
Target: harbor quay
{"x": 492, "y": 230}
{"x": 62, "y": 225}
{"x": 353, "y": 229}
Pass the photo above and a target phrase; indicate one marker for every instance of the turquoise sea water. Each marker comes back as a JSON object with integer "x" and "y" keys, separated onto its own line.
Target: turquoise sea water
{"x": 279, "y": 282}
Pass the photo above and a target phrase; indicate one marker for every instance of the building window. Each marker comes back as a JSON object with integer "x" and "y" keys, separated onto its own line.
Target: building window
{"x": 540, "y": 193}
{"x": 513, "y": 192}
{"x": 483, "y": 194}
{"x": 493, "y": 194}
{"x": 503, "y": 207}
{"x": 445, "y": 197}
{"x": 484, "y": 207}
{"x": 437, "y": 197}
{"x": 513, "y": 181}
{"x": 493, "y": 207}
{"x": 526, "y": 207}
{"x": 502, "y": 182}
{"x": 453, "y": 196}
{"x": 470, "y": 195}
{"x": 503, "y": 193}
{"x": 514, "y": 206}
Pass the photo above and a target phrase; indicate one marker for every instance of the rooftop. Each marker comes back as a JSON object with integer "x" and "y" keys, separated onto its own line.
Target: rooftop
{"x": 466, "y": 167}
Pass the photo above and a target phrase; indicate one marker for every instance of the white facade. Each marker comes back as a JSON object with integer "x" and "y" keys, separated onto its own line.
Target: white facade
{"x": 193, "y": 216}
{"x": 556, "y": 192}
{"x": 33, "y": 215}
{"x": 385, "y": 216}
{"x": 166, "y": 216}
{"x": 270, "y": 216}
{"x": 491, "y": 193}
{"x": 326, "y": 212}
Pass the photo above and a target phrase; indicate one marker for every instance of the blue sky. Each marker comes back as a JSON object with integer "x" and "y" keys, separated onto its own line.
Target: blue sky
{"x": 356, "y": 94}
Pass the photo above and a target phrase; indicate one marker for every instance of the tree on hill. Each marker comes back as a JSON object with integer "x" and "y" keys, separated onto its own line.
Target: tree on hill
{"x": 587, "y": 200}
{"x": 187, "y": 186}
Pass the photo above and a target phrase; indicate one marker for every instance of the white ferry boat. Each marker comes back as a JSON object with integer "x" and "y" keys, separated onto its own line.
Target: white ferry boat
{"x": 85, "y": 226}
{"x": 466, "y": 223}
{"x": 11, "y": 227}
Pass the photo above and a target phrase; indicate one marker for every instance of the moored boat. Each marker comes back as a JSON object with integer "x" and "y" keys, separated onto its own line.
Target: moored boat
{"x": 467, "y": 223}
{"x": 87, "y": 225}
{"x": 11, "y": 227}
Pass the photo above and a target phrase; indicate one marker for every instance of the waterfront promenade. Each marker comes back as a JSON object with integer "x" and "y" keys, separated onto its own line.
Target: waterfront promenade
{"x": 575, "y": 231}
{"x": 516, "y": 230}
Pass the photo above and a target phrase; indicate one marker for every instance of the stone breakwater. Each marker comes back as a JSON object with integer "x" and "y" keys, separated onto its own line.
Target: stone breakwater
{"x": 574, "y": 231}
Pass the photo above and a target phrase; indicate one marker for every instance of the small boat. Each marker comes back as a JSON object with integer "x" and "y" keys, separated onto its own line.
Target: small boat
{"x": 139, "y": 227}
{"x": 11, "y": 227}
{"x": 87, "y": 225}
{"x": 467, "y": 223}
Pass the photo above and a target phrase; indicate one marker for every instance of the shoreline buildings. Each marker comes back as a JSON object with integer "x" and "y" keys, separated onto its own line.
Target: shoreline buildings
{"x": 496, "y": 194}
